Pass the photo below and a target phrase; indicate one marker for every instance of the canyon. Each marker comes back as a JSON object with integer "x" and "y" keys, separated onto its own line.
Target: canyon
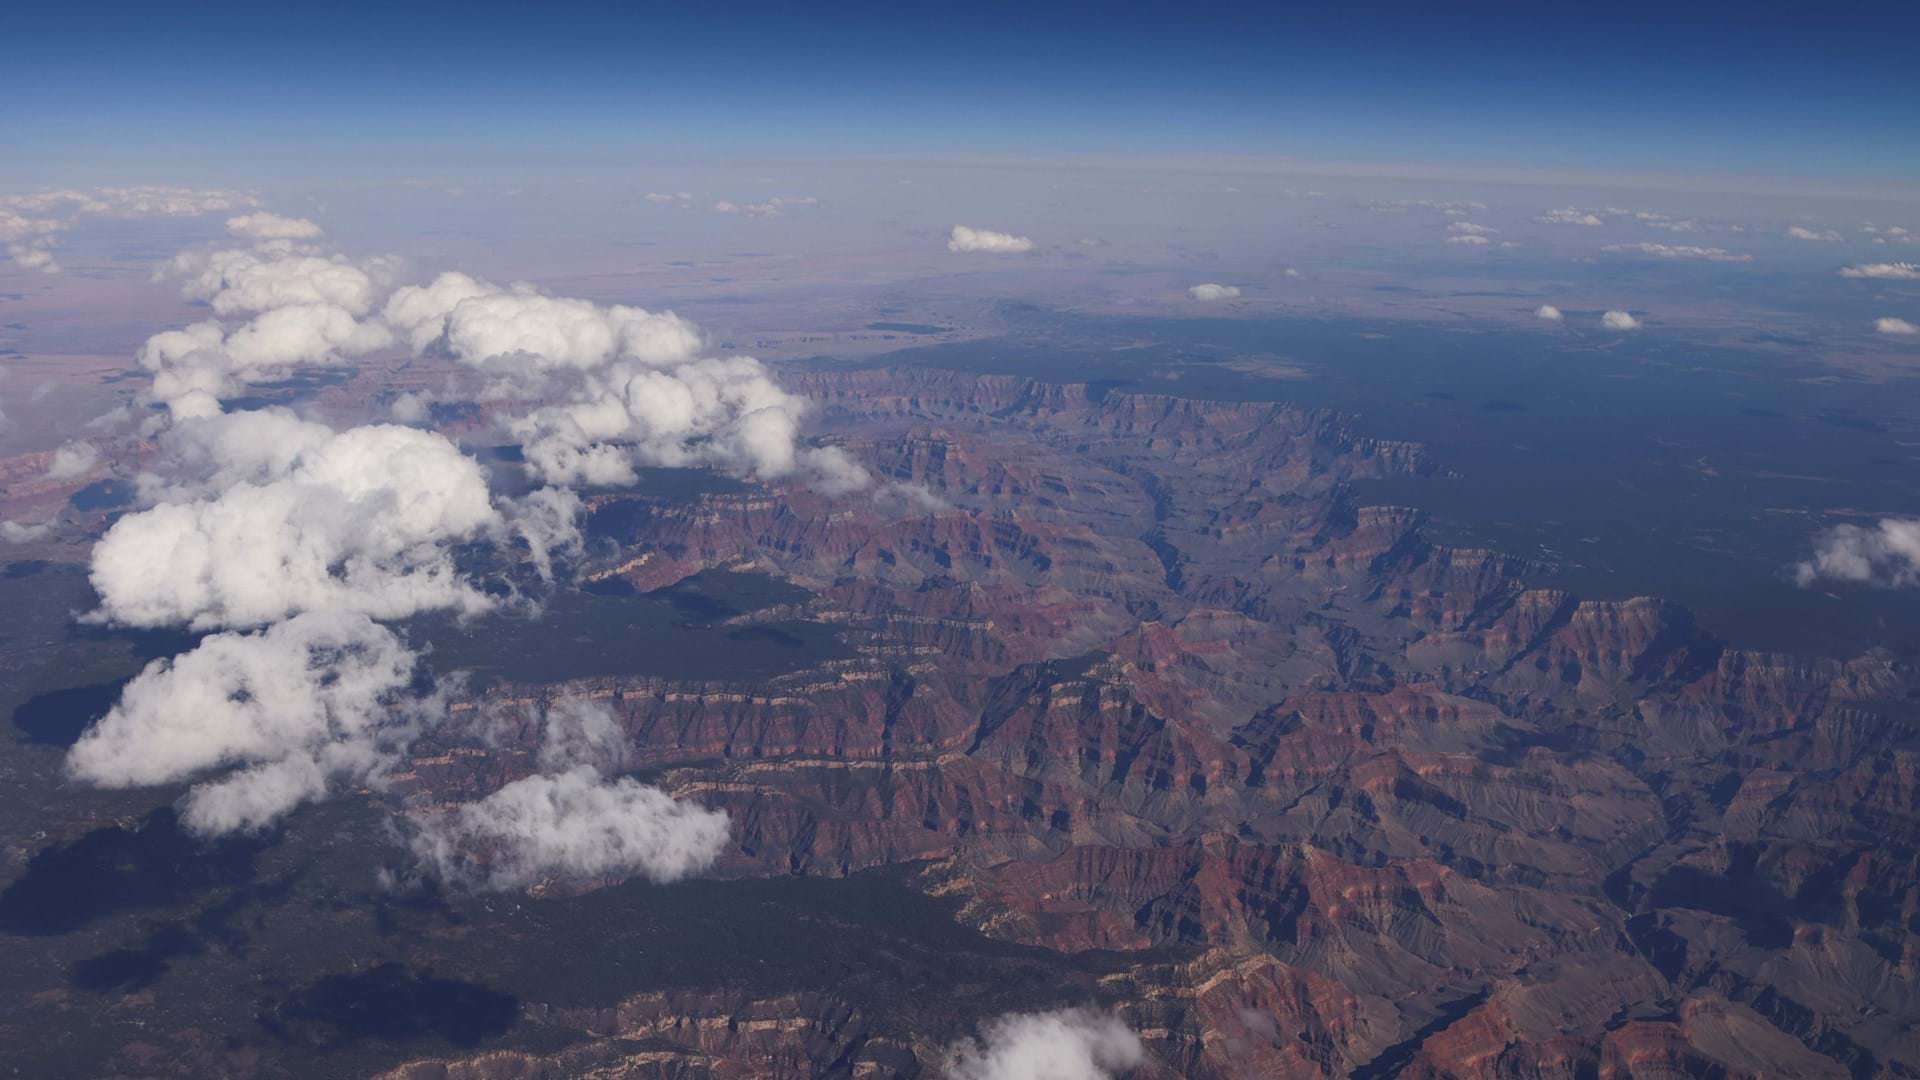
{"x": 1136, "y": 677}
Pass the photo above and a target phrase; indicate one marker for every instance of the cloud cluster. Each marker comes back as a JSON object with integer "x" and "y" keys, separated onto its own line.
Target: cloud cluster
{"x": 964, "y": 239}
{"x": 246, "y": 281}
{"x": 1571, "y": 216}
{"x": 283, "y": 714}
{"x": 306, "y": 309}
{"x": 1825, "y": 236}
{"x": 1677, "y": 251}
{"x": 1893, "y": 271}
{"x": 1619, "y": 320}
{"x": 301, "y": 520}
{"x": 262, "y": 519}
{"x": 1067, "y": 1044}
{"x": 518, "y": 327}
{"x": 194, "y": 368}
{"x": 30, "y": 224}
{"x": 629, "y": 387}
{"x": 1210, "y": 292}
{"x": 1886, "y": 555}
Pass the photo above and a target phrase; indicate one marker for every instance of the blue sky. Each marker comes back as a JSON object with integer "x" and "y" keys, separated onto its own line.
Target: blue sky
{"x": 1822, "y": 90}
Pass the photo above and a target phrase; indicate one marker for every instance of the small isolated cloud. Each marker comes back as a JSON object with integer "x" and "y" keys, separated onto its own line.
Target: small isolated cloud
{"x": 1468, "y": 228}
{"x": 964, "y": 239}
{"x": 283, "y": 715}
{"x": 1068, "y": 1044}
{"x": 1825, "y": 236}
{"x": 1548, "y": 312}
{"x": 576, "y": 825}
{"x": 1469, "y": 240}
{"x": 74, "y": 460}
{"x": 1570, "y": 216}
{"x": 911, "y": 498}
{"x": 1401, "y": 206}
{"x": 1897, "y": 327}
{"x": 1619, "y": 320}
{"x": 1290, "y": 272}
{"x": 669, "y": 198}
{"x": 581, "y": 731}
{"x": 1210, "y": 291}
{"x": 771, "y": 208}
{"x": 1677, "y": 251}
{"x": 1893, "y": 271}
{"x": 266, "y": 226}
{"x": 21, "y": 532}
{"x": 1886, "y": 555}
{"x": 1665, "y": 222}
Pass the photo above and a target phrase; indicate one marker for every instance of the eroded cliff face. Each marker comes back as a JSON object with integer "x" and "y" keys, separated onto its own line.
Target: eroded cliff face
{"x": 1134, "y": 673}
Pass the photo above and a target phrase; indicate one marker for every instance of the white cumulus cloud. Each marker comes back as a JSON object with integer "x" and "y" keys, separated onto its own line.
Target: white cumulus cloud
{"x": 195, "y": 367}
{"x": 575, "y": 824}
{"x": 306, "y": 308}
{"x": 481, "y": 324}
{"x": 1897, "y": 327}
{"x": 1571, "y": 216}
{"x": 358, "y": 521}
{"x": 1801, "y": 232}
{"x": 964, "y": 239}
{"x": 1210, "y": 291}
{"x": 626, "y": 387}
{"x": 724, "y": 412}
{"x": 239, "y": 282}
{"x": 1619, "y": 320}
{"x": 73, "y": 460}
{"x": 1886, "y": 555}
{"x": 1548, "y": 312}
{"x": 281, "y": 715}
{"x": 22, "y": 532}
{"x": 1067, "y": 1044}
